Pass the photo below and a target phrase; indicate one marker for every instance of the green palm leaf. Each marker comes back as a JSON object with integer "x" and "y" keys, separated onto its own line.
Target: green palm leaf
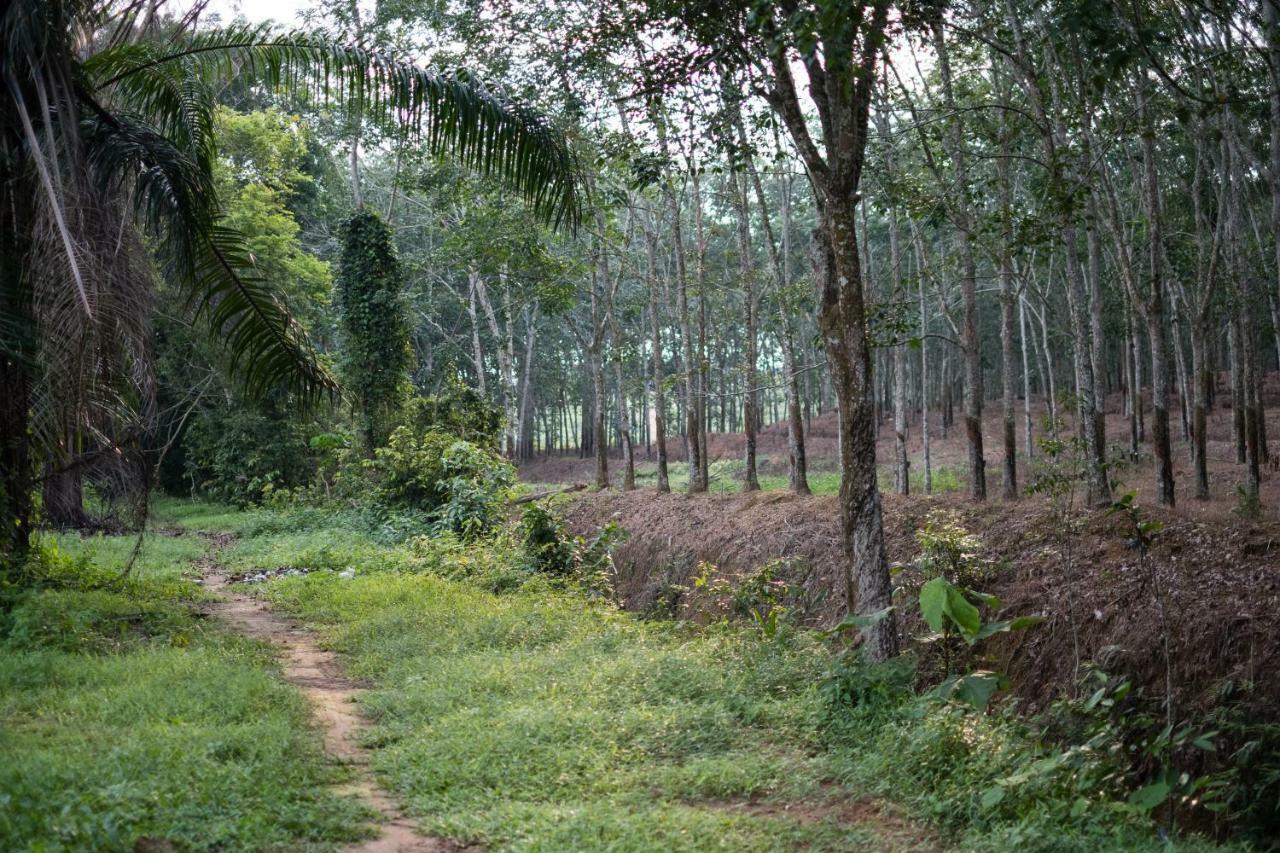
{"x": 205, "y": 259}
{"x": 451, "y": 112}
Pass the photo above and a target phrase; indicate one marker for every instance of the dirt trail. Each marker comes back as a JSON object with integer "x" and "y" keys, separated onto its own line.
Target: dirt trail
{"x": 333, "y": 700}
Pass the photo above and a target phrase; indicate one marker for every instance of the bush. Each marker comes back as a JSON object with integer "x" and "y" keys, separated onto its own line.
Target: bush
{"x": 458, "y": 410}
{"x": 550, "y": 549}
{"x": 459, "y": 484}
{"x": 242, "y": 454}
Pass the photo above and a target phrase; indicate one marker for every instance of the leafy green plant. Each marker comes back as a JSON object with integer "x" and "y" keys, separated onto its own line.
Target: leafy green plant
{"x": 1248, "y": 503}
{"x": 548, "y": 547}
{"x": 458, "y": 410}
{"x": 375, "y": 332}
{"x": 949, "y": 612}
{"x": 458, "y": 483}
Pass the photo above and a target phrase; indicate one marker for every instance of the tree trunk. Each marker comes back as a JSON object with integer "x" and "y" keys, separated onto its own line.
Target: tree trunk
{"x": 1026, "y": 377}
{"x": 690, "y": 365}
{"x": 1007, "y": 298}
{"x": 970, "y": 343}
{"x": 659, "y": 391}
{"x": 1155, "y": 310}
{"x": 841, "y": 321}
{"x": 703, "y": 381}
{"x": 751, "y": 306}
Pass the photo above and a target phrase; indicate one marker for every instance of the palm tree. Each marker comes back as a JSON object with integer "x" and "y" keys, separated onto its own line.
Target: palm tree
{"x": 106, "y": 154}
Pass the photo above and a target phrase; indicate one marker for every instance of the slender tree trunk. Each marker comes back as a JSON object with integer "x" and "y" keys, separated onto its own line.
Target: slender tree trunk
{"x": 751, "y": 306}
{"x": 1026, "y": 378}
{"x": 926, "y": 459}
{"x": 477, "y": 353}
{"x": 1007, "y": 299}
{"x": 1155, "y": 309}
{"x": 703, "y": 383}
{"x": 970, "y": 342}
{"x": 659, "y": 391}
{"x": 690, "y": 364}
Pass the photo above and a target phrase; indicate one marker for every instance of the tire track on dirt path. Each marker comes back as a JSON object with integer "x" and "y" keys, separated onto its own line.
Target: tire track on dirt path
{"x": 332, "y": 695}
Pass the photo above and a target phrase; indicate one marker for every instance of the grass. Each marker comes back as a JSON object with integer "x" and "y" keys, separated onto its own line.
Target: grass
{"x": 541, "y": 720}
{"x": 123, "y": 715}
{"x": 538, "y": 721}
{"x": 535, "y": 719}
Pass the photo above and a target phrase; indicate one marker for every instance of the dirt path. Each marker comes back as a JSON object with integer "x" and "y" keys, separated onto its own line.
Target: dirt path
{"x": 333, "y": 700}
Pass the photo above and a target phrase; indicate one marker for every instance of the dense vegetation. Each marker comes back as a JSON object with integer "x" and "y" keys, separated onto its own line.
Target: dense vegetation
{"x": 352, "y": 299}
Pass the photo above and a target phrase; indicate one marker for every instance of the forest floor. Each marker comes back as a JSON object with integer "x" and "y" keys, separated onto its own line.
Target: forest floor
{"x": 292, "y": 681}
{"x": 1216, "y": 572}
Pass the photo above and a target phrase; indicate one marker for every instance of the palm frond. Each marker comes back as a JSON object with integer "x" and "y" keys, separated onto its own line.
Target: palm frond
{"x": 172, "y": 194}
{"x": 451, "y": 112}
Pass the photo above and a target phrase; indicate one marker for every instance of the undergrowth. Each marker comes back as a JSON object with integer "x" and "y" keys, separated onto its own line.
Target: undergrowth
{"x": 537, "y": 717}
{"x": 125, "y": 716}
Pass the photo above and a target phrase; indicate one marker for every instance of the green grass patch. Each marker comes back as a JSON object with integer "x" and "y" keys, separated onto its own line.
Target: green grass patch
{"x": 124, "y": 715}
{"x": 545, "y": 720}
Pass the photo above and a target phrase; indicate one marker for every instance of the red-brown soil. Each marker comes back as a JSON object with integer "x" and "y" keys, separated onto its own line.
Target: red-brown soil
{"x": 948, "y": 449}
{"x": 1220, "y": 581}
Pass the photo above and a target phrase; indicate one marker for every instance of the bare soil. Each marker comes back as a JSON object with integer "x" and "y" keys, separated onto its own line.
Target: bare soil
{"x": 949, "y": 449}
{"x": 333, "y": 697}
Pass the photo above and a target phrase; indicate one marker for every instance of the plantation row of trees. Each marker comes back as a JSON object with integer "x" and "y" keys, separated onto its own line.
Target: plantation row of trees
{"x": 737, "y": 214}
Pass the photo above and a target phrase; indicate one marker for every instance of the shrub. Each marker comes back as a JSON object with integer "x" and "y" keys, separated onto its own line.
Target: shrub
{"x": 458, "y": 410}
{"x": 239, "y": 455}
{"x": 459, "y": 484}
{"x": 548, "y": 547}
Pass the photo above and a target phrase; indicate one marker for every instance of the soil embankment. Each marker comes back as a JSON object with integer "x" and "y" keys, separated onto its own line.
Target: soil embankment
{"x": 1220, "y": 580}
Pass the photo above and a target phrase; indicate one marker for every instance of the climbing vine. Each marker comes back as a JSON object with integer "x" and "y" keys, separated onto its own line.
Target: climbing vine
{"x": 375, "y": 352}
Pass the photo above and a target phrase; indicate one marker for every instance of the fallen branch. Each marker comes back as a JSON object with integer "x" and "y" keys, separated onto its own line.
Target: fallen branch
{"x": 537, "y": 496}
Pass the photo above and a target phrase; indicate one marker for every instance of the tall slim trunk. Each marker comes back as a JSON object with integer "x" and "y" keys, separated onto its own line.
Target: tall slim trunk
{"x": 963, "y": 216}
{"x": 1026, "y": 377}
{"x": 926, "y": 459}
{"x": 1054, "y": 140}
{"x": 780, "y": 262}
{"x": 1007, "y": 298}
{"x": 1134, "y": 381}
{"x": 624, "y": 416}
{"x": 1155, "y": 309}
{"x": 659, "y": 392}
{"x": 599, "y": 439}
{"x": 477, "y": 352}
{"x": 751, "y": 306}
{"x": 704, "y": 366}
{"x": 690, "y": 365}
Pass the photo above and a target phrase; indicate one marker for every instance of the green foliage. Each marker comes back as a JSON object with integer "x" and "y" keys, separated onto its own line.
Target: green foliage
{"x": 459, "y": 485}
{"x": 1248, "y": 503}
{"x": 948, "y": 550}
{"x": 549, "y": 548}
{"x": 240, "y": 454}
{"x": 123, "y": 716}
{"x": 547, "y": 543}
{"x": 374, "y": 358}
{"x": 458, "y": 410}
